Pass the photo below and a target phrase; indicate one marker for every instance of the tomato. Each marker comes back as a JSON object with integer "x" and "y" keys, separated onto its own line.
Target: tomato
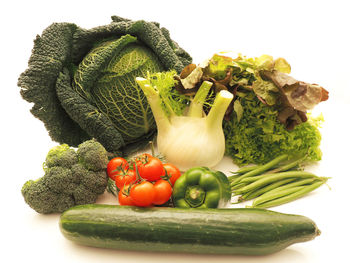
{"x": 172, "y": 171}
{"x": 163, "y": 192}
{"x": 143, "y": 193}
{"x": 150, "y": 167}
{"x": 125, "y": 178}
{"x": 115, "y": 166}
{"x": 124, "y": 198}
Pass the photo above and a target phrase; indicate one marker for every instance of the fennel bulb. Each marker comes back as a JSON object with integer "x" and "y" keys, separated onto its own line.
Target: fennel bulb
{"x": 194, "y": 139}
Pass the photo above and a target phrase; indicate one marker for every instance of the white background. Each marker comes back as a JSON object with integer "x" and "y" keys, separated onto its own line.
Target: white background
{"x": 311, "y": 35}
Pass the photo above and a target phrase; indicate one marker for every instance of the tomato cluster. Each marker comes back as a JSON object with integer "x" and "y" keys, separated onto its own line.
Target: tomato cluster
{"x": 144, "y": 181}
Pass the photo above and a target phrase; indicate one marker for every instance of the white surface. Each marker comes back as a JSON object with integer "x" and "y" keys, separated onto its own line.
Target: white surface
{"x": 311, "y": 35}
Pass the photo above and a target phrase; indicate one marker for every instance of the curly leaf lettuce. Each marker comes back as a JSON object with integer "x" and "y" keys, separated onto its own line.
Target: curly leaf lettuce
{"x": 258, "y": 136}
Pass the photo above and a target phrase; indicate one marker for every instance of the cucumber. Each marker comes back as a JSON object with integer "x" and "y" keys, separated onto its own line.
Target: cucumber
{"x": 247, "y": 231}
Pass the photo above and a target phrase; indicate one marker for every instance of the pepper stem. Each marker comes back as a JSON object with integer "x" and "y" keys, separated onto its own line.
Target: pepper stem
{"x": 195, "y": 195}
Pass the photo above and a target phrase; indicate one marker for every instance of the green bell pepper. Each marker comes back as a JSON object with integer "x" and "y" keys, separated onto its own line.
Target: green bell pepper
{"x": 203, "y": 188}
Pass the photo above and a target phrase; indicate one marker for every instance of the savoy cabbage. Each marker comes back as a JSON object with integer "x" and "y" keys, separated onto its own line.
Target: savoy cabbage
{"x": 82, "y": 81}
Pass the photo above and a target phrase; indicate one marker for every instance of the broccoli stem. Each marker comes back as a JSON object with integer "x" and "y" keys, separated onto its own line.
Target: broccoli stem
{"x": 196, "y": 107}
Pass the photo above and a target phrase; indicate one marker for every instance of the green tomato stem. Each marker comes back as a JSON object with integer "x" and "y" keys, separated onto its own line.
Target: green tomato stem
{"x": 196, "y": 106}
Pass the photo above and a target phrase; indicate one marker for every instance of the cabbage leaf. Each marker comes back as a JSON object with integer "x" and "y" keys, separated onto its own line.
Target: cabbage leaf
{"x": 67, "y": 75}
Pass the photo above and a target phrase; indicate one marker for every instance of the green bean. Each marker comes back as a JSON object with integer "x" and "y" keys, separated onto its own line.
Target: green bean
{"x": 291, "y": 197}
{"x": 251, "y": 179}
{"x": 247, "y": 196}
{"x": 244, "y": 197}
{"x": 273, "y": 178}
{"x": 283, "y": 168}
{"x": 233, "y": 177}
{"x": 272, "y": 193}
{"x": 262, "y": 168}
{"x": 275, "y": 195}
{"x": 255, "y": 178}
{"x": 288, "y": 166}
{"x": 238, "y": 186}
{"x": 252, "y": 194}
{"x": 297, "y": 183}
{"x": 246, "y": 169}
{"x": 237, "y": 183}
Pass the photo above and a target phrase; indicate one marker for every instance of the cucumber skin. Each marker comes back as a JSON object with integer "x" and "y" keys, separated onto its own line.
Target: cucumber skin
{"x": 244, "y": 231}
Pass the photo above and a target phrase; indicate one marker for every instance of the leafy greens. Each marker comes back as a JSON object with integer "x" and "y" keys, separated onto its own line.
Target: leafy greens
{"x": 82, "y": 81}
{"x": 258, "y": 136}
{"x": 268, "y": 116}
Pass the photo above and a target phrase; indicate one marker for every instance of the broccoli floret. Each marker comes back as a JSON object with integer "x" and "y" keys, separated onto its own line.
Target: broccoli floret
{"x": 60, "y": 180}
{"x": 89, "y": 180}
{"x": 61, "y": 155}
{"x": 43, "y": 200}
{"x": 71, "y": 178}
{"x": 92, "y": 155}
{"x": 81, "y": 196}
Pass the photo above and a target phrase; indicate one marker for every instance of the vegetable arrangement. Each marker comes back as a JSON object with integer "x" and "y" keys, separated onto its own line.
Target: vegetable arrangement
{"x": 273, "y": 183}
{"x": 123, "y": 83}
